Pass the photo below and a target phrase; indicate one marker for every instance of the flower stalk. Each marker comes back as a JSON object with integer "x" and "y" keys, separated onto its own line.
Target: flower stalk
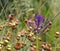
{"x": 37, "y": 43}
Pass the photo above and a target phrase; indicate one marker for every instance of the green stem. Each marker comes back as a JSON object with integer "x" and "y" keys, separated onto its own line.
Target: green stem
{"x": 37, "y": 43}
{"x": 55, "y": 44}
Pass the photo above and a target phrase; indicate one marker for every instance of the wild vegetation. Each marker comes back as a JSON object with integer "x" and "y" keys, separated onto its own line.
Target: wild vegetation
{"x": 29, "y": 25}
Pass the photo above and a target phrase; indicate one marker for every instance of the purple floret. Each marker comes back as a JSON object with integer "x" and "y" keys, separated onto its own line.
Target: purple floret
{"x": 39, "y": 20}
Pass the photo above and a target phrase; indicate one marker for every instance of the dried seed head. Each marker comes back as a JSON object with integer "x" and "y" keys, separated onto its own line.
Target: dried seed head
{"x": 30, "y": 35}
{"x": 1, "y": 27}
{"x": 23, "y": 43}
{"x": 5, "y": 42}
{"x": 31, "y": 45}
{"x": 30, "y": 28}
{"x": 1, "y": 43}
{"x": 50, "y": 49}
{"x": 26, "y": 21}
{"x": 35, "y": 29}
{"x": 57, "y": 36}
{"x": 50, "y": 23}
{"x": 18, "y": 37}
{"x": 8, "y": 38}
{"x": 8, "y": 46}
{"x": 39, "y": 39}
{"x": 32, "y": 49}
{"x": 32, "y": 39}
{"x": 49, "y": 45}
{"x": 47, "y": 30}
{"x": 30, "y": 21}
{"x": 11, "y": 16}
{"x": 18, "y": 46}
{"x": 0, "y": 48}
{"x": 8, "y": 49}
{"x": 34, "y": 46}
{"x": 57, "y": 33}
{"x": 16, "y": 21}
{"x": 26, "y": 32}
{"x": 12, "y": 24}
{"x": 35, "y": 32}
{"x": 22, "y": 34}
{"x": 46, "y": 46}
{"x": 43, "y": 43}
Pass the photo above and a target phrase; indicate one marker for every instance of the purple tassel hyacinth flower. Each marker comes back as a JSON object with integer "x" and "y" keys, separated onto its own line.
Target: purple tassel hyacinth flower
{"x": 39, "y": 20}
{"x": 36, "y": 23}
